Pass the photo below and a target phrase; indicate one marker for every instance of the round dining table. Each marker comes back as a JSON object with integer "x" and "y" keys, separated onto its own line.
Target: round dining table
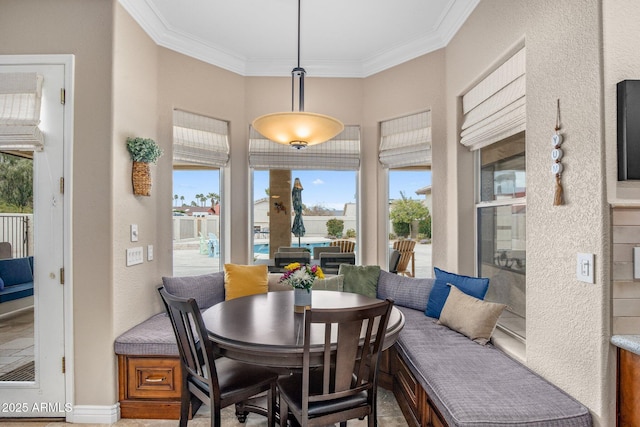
{"x": 264, "y": 329}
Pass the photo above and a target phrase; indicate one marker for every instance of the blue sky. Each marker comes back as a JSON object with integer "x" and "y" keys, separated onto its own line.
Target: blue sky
{"x": 330, "y": 189}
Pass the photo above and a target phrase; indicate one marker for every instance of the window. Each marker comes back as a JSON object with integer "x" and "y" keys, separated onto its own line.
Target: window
{"x": 328, "y": 197}
{"x": 494, "y": 126}
{"x": 405, "y": 150}
{"x": 328, "y": 173}
{"x": 200, "y": 154}
{"x": 501, "y": 216}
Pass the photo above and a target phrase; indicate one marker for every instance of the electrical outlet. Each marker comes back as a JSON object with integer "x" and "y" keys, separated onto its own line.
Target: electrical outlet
{"x": 134, "y": 256}
{"x": 149, "y": 252}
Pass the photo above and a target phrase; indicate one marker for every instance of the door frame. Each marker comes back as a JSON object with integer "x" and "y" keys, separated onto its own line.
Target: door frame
{"x": 68, "y": 61}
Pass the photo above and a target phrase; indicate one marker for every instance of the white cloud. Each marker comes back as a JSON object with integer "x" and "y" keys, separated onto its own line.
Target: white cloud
{"x": 318, "y": 182}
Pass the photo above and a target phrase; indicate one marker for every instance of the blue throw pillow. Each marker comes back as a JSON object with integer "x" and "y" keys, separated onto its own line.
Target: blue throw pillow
{"x": 474, "y": 286}
{"x": 14, "y": 271}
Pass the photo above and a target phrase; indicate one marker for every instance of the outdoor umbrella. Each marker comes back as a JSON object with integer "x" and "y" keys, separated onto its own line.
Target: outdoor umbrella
{"x": 296, "y": 195}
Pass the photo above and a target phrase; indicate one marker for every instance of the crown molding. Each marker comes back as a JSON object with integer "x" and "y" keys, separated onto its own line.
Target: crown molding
{"x": 162, "y": 34}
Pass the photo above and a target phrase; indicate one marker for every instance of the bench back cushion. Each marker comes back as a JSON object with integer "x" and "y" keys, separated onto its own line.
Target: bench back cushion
{"x": 207, "y": 289}
{"x": 404, "y": 291}
{"x": 14, "y": 271}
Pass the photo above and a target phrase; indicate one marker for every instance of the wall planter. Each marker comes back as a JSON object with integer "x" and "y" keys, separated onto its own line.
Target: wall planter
{"x": 143, "y": 151}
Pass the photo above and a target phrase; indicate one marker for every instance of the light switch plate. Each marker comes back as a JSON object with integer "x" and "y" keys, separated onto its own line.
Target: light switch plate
{"x": 134, "y": 256}
{"x": 584, "y": 268}
{"x": 149, "y": 252}
{"x": 134, "y": 232}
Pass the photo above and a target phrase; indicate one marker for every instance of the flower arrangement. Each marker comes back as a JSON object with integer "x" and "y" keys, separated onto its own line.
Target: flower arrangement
{"x": 301, "y": 276}
{"x": 144, "y": 150}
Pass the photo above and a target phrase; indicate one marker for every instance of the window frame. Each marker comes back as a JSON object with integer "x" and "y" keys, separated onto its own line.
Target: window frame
{"x": 478, "y": 205}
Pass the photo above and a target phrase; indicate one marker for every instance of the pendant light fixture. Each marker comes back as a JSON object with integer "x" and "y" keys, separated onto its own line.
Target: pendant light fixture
{"x": 298, "y": 129}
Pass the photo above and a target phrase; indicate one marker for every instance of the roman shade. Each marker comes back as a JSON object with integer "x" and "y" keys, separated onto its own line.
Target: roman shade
{"x": 339, "y": 153}
{"x": 495, "y": 108}
{"x": 199, "y": 140}
{"x": 20, "y": 98}
{"x": 406, "y": 141}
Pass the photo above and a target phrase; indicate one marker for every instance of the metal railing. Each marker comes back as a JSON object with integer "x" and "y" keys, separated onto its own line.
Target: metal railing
{"x": 15, "y": 230}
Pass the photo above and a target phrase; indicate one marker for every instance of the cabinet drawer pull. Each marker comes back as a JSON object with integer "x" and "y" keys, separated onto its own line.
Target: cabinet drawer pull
{"x": 154, "y": 380}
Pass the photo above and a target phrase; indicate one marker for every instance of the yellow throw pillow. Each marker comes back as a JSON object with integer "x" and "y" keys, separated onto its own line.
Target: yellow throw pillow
{"x": 243, "y": 280}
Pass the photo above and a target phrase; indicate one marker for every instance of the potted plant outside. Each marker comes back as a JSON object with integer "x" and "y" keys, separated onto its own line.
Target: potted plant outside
{"x": 143, "y": 151}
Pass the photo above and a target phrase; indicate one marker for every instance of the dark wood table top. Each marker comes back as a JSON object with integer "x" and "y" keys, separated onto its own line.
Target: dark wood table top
{"x": 263, "y": 329}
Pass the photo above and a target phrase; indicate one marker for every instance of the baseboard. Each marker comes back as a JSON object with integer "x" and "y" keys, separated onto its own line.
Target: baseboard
{"x": 91, "y": 414}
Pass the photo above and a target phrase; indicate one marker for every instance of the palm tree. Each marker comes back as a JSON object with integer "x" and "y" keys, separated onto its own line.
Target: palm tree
{"x": 214, "y": 198}
{"x": 182, "y": 200}
{"x": 175, "y": 197}
{"x": 199, "y": 197}
{"x": 203, "y": 199}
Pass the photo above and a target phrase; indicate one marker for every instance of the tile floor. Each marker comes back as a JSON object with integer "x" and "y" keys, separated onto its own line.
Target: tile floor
{"x": 16, "y": 341}
{"x": 389, "y": 415}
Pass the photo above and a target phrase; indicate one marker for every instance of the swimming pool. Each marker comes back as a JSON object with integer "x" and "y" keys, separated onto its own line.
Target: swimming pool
{"x": 263, "y": 248}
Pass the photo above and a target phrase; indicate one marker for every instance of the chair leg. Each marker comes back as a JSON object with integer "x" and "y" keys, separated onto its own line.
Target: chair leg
{"x": 185, "y": 403}
{"x": 271, "y": 406}
{"x": 284, "y": 412}
{"x": 216, "y": 419}
{"x": 241, "y": 414}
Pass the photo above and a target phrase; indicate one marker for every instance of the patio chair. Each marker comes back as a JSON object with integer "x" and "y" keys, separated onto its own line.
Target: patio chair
{"x": 344, "y": 386}
{"x": 405, "y": 247}
{"x": 317, "y": 250}
{"x": 394, "y": 260}
{"x": 237, "y": 382}
{"x": 330, "y": 262}
{"x": 344, "y": 245}
{"x": 281, "y": 259}
{"x": 204, "y": 246}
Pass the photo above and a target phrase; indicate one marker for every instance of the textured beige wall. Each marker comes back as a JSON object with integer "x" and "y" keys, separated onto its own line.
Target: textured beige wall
{"x": 568, "y": 322}
{"x": 83, "y": 28}
{"x": 135, "y": 69}
{"x": 414, "y": 86}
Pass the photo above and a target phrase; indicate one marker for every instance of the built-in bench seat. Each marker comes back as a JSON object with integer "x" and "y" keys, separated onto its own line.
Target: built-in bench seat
{"x": 441, "y": 377}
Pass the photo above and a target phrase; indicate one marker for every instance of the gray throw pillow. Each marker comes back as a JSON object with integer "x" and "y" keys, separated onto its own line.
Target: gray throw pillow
{"x": 470, "y": 316}
{"x": 404, "y": 291}
{"x": 207, "y": 289}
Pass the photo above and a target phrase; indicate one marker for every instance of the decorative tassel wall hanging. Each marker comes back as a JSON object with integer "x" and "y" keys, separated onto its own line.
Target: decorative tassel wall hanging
{"x": 556, "y": 156}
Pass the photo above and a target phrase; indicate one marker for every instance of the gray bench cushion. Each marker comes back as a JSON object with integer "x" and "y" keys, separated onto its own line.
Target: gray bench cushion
{"x": 154, "y": 336}
{"x": 475, "y": 385}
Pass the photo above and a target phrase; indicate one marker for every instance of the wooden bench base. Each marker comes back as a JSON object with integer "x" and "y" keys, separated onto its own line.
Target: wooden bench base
{"x": 414, "y": 402}
{"x": 149, "y": 387}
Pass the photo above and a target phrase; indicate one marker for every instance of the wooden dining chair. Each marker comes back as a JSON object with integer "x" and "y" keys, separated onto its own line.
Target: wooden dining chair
{"x": 217, "y": 382}
{"x": 344, "y": 386}
{"x": 405, "y": 247}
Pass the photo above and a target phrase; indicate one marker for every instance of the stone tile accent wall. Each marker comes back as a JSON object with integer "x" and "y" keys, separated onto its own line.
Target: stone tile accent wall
{"x": 626, "y": 290}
